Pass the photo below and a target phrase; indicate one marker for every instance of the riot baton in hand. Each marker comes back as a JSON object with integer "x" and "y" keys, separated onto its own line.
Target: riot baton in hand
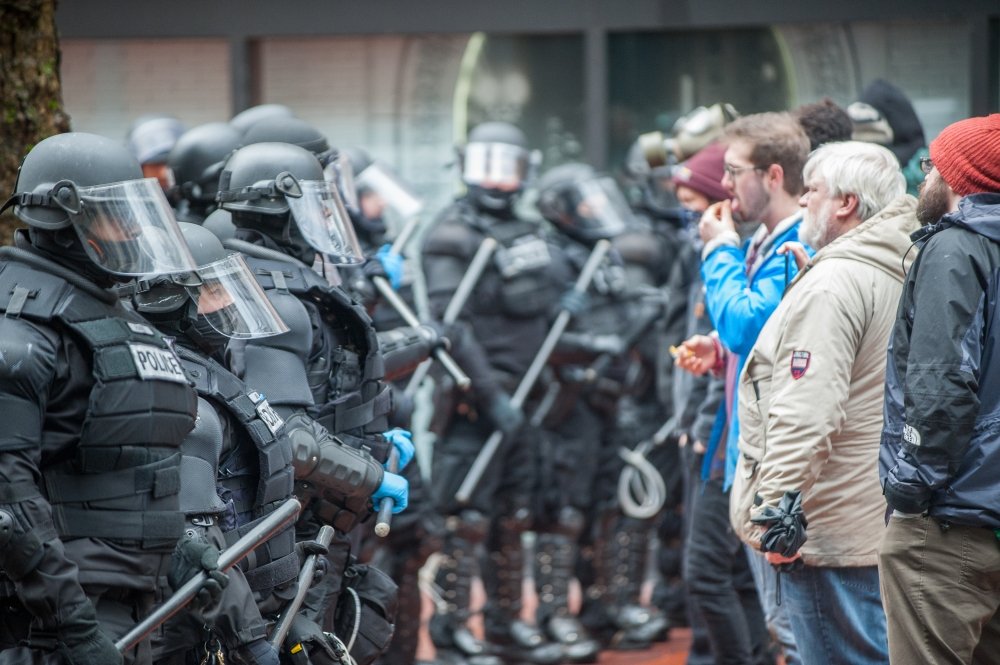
{"x": 404, "y": 235}
{"x": 487, "y": 452}
{"x": 229, "y": 557}
{"x": 442, "y": 356}
{"x": 284, "y": 624}
{"x": 384, "y": 521}
{"x": 457, "y": 302}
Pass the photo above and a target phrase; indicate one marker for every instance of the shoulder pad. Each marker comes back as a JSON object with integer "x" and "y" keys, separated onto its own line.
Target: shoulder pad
{"x": 453, "y": 238}
{"x": 298, "y": 339}
{"x": 638, "y": 247}
{"x": 27, "y": 354}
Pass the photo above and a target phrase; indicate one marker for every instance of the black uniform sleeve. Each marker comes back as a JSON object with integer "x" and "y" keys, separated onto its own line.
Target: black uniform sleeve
{"x": 32, "y": 366}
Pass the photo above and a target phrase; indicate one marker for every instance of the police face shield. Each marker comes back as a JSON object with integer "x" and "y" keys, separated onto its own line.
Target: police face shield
{"x": 340, "y": 175}
{"x": 127, "y": 228}
{"x": 231, "y": 301}
{"x": 598, "y": 208}
{"x": 324, "y": 223}
{"x": 383, "y": 194}
{"x": 498, "y": 166}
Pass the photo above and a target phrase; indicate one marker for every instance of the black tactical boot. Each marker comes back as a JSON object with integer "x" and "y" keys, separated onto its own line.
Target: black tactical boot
{"x": 554, "y": 554}
{"x": 515, "y": 641}
{"x": 454, "y": 642}
{"x": 611, "y": 604}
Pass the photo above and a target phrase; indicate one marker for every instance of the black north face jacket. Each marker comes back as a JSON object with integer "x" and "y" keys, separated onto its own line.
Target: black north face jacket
{"x": 941, "y": 437}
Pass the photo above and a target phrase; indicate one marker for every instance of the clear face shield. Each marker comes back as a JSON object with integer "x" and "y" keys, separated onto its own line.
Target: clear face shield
{"x": 498, "y": 166}
{"x": 232, "y": 302}
{"x": 598, "y": 207}
{"x": 383, "y": 195}
{"x": 340, "y": 175}
{"x": 127, "y": 228}
{"x": 324, "y": 223}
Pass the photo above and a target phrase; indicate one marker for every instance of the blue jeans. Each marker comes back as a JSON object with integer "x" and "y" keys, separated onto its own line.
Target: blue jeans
{"x": 836, "y": 615}
{"x": 765, "y": 577}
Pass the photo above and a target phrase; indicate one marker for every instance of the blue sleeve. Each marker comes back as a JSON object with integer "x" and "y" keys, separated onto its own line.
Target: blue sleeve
{"x": 740, "y": 309}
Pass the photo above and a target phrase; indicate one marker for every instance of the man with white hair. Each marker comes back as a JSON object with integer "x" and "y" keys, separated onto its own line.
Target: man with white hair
{"x": 810, "y": 406}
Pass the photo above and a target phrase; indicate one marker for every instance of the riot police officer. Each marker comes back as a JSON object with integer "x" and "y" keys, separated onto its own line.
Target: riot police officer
{"x": 96, "y": 406}
{"x": 503, "y": 326}
{"x": 598, "y": 370}
{"x": 330, "y": 366}
{"x": 238, "y": 463}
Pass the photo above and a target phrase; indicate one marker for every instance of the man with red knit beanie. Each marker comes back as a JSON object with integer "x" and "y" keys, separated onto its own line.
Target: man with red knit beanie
{"x": 939, "y": 561}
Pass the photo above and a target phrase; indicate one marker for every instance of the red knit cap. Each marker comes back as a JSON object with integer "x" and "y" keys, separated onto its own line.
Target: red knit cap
{"x": 967, "y": 154}
{"x": 703, "y": 172}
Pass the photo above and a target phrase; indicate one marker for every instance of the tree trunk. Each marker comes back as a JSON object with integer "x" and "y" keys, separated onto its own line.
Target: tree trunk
{"x": 30, "y": 91}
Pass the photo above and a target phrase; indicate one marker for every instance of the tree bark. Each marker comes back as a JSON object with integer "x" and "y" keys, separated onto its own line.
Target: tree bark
{"x": 30, "y": 90}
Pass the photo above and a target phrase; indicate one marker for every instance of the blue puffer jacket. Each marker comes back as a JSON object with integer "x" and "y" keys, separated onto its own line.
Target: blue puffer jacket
{"x": 941, "y": 437}
{"x": 740, "y": 306}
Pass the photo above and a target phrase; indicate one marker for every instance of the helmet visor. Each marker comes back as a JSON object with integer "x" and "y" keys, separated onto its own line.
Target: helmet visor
{"x": 232, "y": 302}
{"x": 324, "y": 222}
{"x": 599, "y": 207}
{"x": 127, "y": 228}
{"x": 340, "y": 174}
{"x": 494, "y": 165}
{"x": 378, "y": 187}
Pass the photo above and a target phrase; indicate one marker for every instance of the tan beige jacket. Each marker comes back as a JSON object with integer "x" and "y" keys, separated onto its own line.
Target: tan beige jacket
{"x": 810, "y": 395}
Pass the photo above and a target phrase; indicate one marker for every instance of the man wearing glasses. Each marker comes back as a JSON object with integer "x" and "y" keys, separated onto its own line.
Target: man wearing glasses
{"x": 939, "y": 561}
{"x": 744, "y": 283}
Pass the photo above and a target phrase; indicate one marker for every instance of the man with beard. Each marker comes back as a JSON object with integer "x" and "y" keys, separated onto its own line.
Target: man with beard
{"x": 744, "y": 283}
{"x": 809, "y": 407}
{"x": 939, "y": 556}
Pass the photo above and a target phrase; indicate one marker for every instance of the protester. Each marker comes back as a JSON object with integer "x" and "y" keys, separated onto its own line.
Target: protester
{"x": 939, "y": 557}
{"x": 810, "y": 411}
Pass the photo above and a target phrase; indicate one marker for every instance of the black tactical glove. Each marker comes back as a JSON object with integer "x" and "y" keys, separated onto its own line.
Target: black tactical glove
{"x": 786, "y": 525}
{"x": 260, "y": 652}
{"x": 306, "y": 548}
{"x": 192, "y": 555}
{"x": 504, "y": 415}
{"x": 82, "y": 642}
{"x": 574, "y": 302}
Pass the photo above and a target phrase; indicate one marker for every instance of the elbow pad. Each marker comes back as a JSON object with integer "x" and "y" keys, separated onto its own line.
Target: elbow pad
{"x": 404, "y": 348}
{"x": 340, "y": 474}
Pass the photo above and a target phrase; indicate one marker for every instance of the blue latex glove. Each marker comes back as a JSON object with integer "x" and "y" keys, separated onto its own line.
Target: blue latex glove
{"x": 392, "y": 263}
{"x": 402, "y": 440}
{"x": 395, "y": 487}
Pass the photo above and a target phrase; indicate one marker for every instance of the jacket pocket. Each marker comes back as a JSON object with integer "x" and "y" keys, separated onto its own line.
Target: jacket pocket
{"x": 741, "y": 499}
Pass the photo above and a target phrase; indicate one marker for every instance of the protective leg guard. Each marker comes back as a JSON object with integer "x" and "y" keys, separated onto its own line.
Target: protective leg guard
{"x": 554, "y": 555}
{"x": 455, "y": 643}
{"x": 611, "y": 604}
{"x": 514, "y": 640}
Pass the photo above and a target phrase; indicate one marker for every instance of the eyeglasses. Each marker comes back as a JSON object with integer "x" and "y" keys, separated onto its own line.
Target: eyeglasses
{"x": 733, "y": 171}
{"x": 926, "y": 165}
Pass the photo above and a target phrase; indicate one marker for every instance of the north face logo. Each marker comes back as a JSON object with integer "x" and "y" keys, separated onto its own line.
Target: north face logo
{"x": 911, "y": 435}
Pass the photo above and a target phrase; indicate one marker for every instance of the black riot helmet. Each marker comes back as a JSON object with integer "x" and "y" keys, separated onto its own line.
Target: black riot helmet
{"x": 382, "y": 194}
{"x": 267, "y": 186}
{"x": 247, "y": 118}
{"x": 84, "y": 198}
{"x": 197, "y": 158}
{"x": 217, "y": 301}
{"x": 582, "y": 203}
{"x": 495, "y": 161}
{"x": 336, "y": 166}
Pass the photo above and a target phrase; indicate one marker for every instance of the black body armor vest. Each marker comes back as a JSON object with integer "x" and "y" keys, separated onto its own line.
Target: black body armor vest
{"x": 122, "y": 483}
{"x": 255, "y": 469}
{"x": 345, "y": 370}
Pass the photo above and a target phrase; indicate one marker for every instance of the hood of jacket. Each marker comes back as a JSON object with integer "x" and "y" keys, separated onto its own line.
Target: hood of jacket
{"x": 908, "y": 133}
{"x": 879, "y": 241}
{"x": 979, "y": 213}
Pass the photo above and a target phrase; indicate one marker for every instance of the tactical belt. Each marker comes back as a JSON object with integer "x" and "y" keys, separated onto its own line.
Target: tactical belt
{"x": 274, "y": 573}
{"x": 115, "y": 525}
